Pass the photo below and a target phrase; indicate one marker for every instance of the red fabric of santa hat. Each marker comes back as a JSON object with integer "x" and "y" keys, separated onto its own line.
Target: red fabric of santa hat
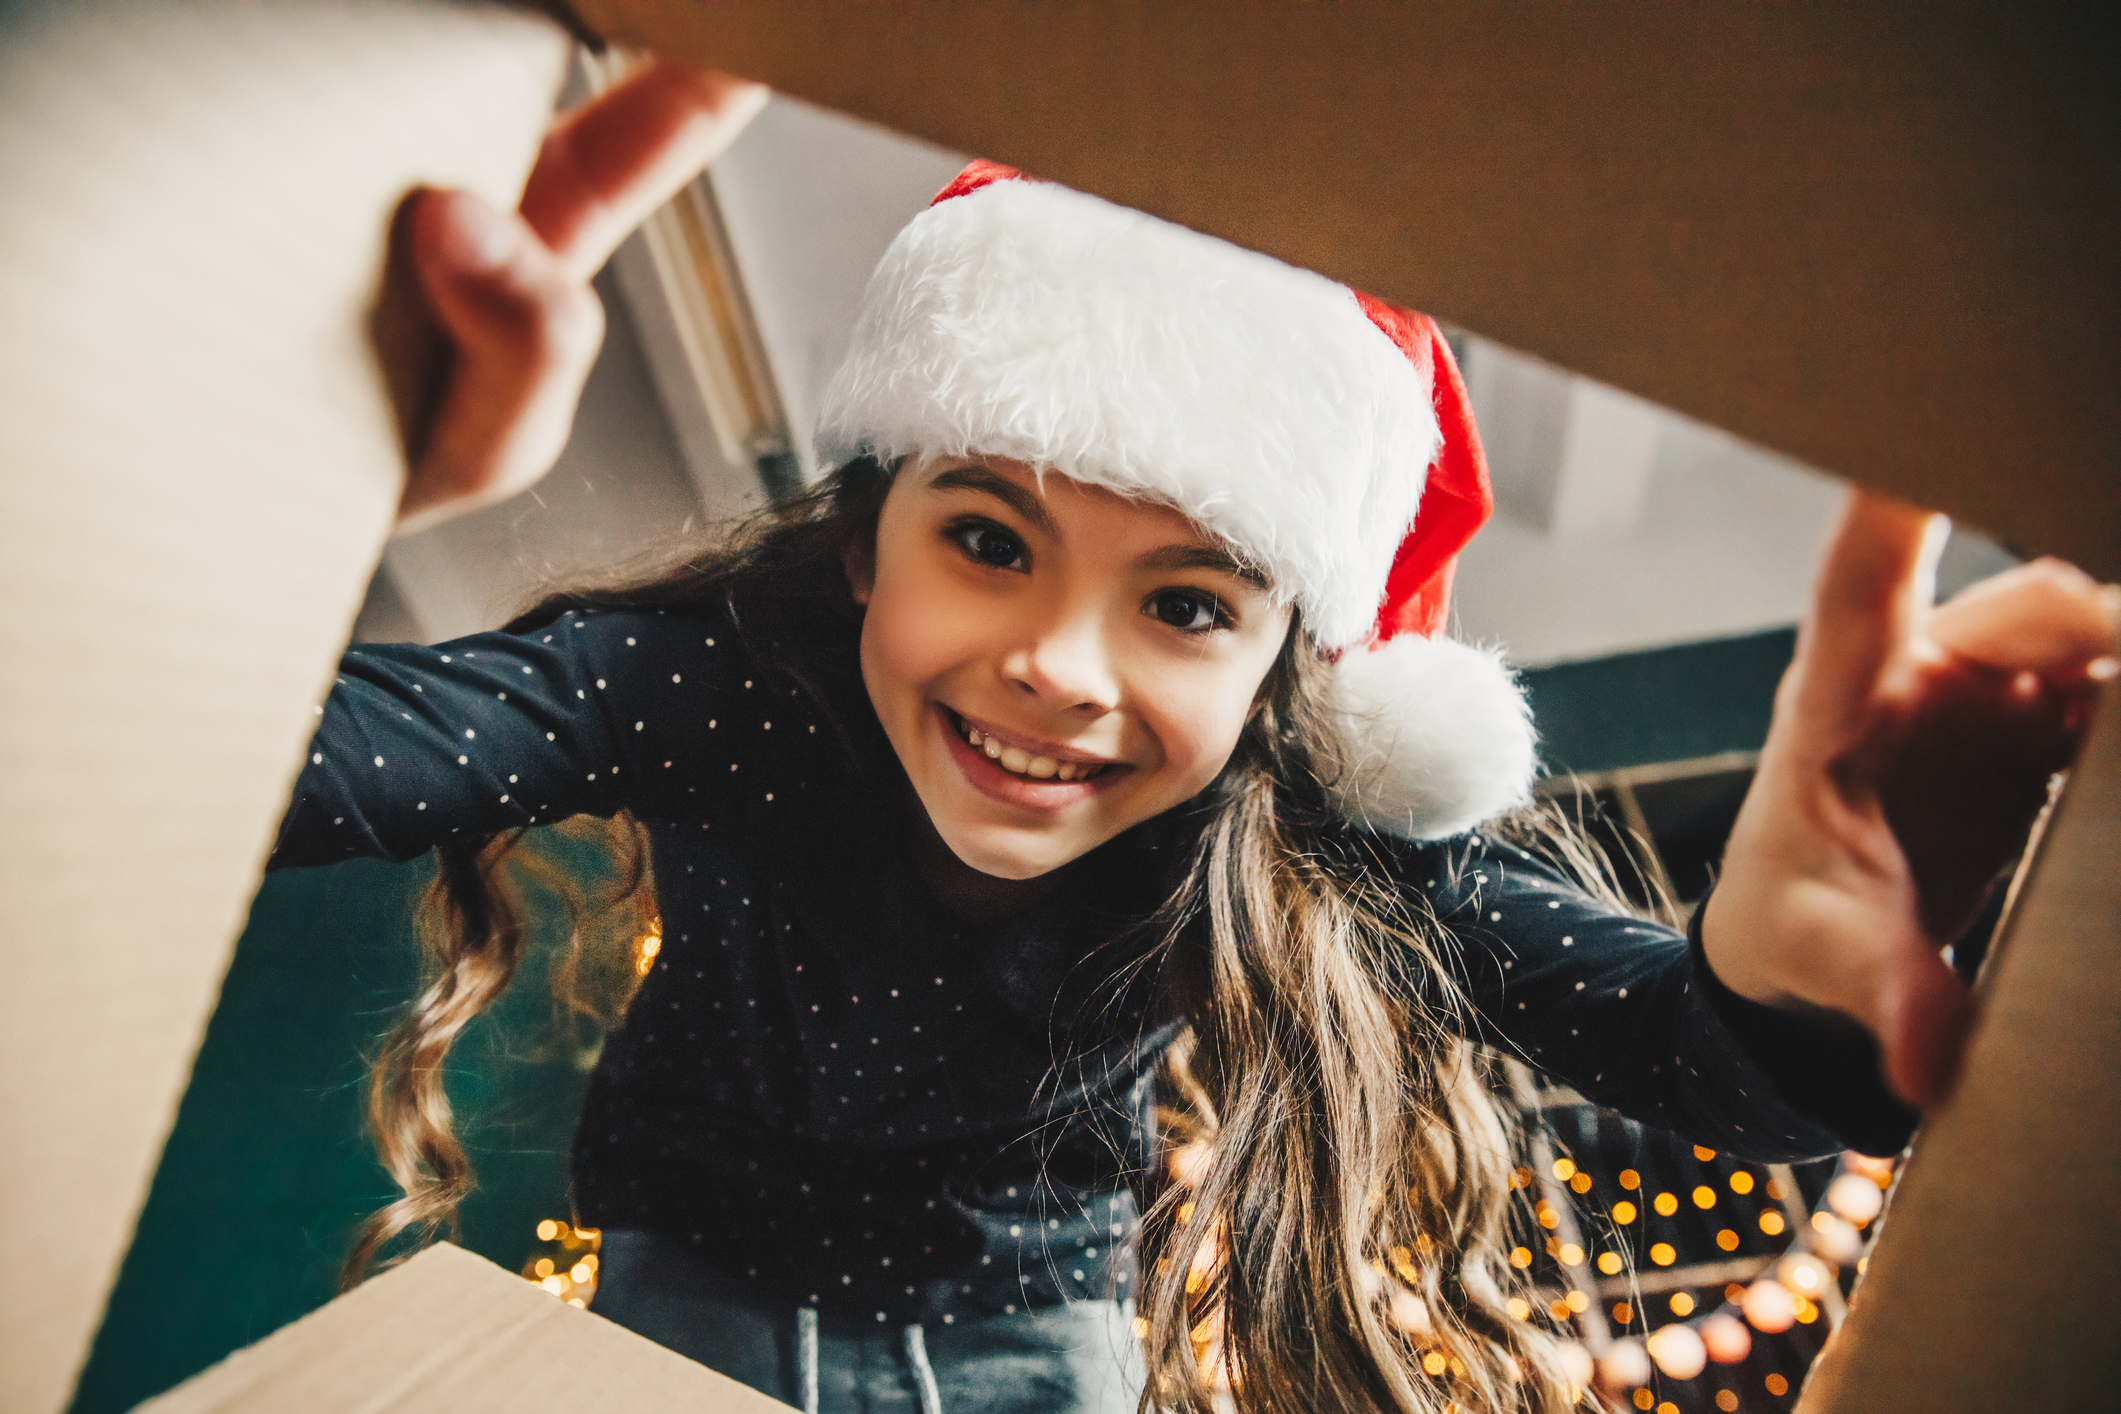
{"x": 1322, "y": 434}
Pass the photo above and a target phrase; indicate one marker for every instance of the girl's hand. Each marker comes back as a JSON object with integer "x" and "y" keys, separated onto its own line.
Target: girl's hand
{"x": 511, "y": 289}
{"x": 1910, "y": 748}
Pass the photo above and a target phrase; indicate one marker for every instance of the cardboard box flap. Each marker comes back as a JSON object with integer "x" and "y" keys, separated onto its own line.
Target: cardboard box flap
{"x": 454, "y": 1334}
{"x": 200, "y": 468}
{"x": 1992, "y": 1282}
{"x": 1879, "y": 240}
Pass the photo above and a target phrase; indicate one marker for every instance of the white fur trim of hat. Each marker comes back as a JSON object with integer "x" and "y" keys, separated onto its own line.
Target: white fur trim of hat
{"x": 1287, "y": 415}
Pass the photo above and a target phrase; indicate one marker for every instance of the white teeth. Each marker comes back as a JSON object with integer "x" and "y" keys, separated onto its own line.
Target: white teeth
{"x": 1018, "y": 761}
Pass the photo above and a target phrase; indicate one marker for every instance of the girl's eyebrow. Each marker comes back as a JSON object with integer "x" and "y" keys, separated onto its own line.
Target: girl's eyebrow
{"x": 978, "y": 478}
{"x": 1203, "y": 557}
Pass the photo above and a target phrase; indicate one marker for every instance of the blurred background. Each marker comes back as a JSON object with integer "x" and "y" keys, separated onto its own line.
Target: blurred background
{"x": 1644, "y": 571}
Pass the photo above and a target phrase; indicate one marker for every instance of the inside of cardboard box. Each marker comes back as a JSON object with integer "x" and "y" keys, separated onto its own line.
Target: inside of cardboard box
{"x": 266, "y": 1168}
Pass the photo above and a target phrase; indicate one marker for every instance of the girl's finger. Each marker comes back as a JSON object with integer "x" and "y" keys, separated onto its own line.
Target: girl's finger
{"x": 617, "y": 158}
{"x": 523, "y": 335}
{"x": 1921, "y": 1020}
{"x": 2045, "y": 617}
{"x": 1871, "y": 597}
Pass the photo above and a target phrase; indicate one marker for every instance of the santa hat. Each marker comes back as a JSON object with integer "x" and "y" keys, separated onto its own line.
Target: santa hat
{"x": 1322, "y": 434}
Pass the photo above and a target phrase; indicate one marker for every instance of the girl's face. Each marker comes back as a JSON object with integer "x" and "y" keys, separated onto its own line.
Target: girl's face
{"x": 1053, "y": 665}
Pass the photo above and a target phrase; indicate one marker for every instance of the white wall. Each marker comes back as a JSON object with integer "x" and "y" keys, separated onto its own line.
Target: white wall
{"x": 811, "y": 199}
{"x": 1621, "y": 525}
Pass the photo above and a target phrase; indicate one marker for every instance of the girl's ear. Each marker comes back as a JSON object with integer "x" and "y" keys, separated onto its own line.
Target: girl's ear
{"x": 859, "y": 561}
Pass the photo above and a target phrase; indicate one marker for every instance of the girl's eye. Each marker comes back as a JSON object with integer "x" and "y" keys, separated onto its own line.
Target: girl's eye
{"x": 989, "y": 544}
{"x": 1187, "y": 610}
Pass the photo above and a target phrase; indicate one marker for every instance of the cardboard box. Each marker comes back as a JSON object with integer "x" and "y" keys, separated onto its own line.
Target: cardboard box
{"x": 450, "y": 1333}
{"x": 1878, "y": 240}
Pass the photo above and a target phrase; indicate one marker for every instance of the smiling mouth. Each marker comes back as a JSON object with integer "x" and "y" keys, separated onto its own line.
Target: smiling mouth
{"x": 1019, "y": 762}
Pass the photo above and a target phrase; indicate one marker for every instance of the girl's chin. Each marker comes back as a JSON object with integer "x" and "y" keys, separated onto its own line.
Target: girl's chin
{"x": 1002, "y": 853}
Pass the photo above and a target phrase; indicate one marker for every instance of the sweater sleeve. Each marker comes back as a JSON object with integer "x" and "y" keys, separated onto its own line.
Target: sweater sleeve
{"x": 586, "y": 712}
{"x": 1627, "y": 1012}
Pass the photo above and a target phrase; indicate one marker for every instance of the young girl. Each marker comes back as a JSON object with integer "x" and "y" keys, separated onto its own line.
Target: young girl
{"x": 1087, "y": 742}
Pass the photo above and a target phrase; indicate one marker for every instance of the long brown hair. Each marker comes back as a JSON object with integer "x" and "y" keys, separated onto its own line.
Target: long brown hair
{"x": 1342, "y": 1244}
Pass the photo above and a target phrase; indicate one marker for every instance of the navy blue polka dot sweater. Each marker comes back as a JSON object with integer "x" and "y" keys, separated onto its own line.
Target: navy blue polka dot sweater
{"x": 831, "y": 1085}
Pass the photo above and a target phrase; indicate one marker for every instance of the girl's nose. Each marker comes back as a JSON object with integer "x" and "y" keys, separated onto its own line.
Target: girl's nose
{"x": 1067, "y": 664}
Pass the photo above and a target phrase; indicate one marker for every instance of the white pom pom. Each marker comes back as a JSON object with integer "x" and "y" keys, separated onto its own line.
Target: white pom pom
{"x": 1439, "y": 737}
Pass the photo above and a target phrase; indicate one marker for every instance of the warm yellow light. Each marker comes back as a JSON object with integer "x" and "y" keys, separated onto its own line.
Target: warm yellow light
{"x": 1769, "y": 1306}
{"x": 1571, "y": 1254}
{"x": 1727, "y": 1240}
{"x": 1642, "y": 1399}
{"x": 1629, "y": 1179}
{"x": 1666, "y": 1205}
{"x": 1433, "y": 1362}
{"x": 1520, "y": 1178}
{"x": 1185, "y": 1212}
{"x": 1727, "y": 1401}
{"x": 1581, "y": 1182}
{"x": 543, "y": 1267}
{"x": 1806, "y": 1311}
{"x": 1704, "y": 1196}
{"x": 1520, "y": 1256}
{"x": 1520, "y": 1308}
{"x": 1577, "y": 1301}
{"x": 1682, "y": 1304}
{"x": 1777, "y": 1386}
{"x": 1558, "y": 1308}
{"x": 555, "y": 1285}
{"x": 1774, "y": 1190}
{"x": 1667, "y": 1407}
{"x": 1622, "y": 1313}
{"x": 548, "y": 1230}
{"x": 1734, "y": 1292}
{"x": 1771, "y": 1222}
{"x": 1741, "y": 1182}
{"x": 1662, "y": 1254}
{"x": 1610, "y": 1263}
{"x": 1403, "y": 1263}
{"x": 580, "y": 1273}
{"x": 1854, "y": 1197}
{"x": 1704, "y": 1154}
{"x": 1547, "y": 1216}
{"x": 1726, "y": 1338}
{"x": 1623, "y": 1212}
{"x": 578, "y": 1303}
{"x": 1564, "y": 1169}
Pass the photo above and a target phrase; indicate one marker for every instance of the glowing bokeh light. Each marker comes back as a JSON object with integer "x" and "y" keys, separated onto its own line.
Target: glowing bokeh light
{"x": 1769, "y": 1306}
{"x": 1678, "y": 1351}
{"x": 1726, "y": 1338}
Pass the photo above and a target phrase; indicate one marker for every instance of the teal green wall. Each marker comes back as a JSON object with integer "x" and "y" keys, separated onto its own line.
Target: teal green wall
{"x": 268, "y": 1169}
{"x": 1666, "y": 704}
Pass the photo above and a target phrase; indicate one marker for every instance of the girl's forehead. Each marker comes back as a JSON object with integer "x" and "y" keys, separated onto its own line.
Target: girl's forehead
{"x": 1060, "y": 492}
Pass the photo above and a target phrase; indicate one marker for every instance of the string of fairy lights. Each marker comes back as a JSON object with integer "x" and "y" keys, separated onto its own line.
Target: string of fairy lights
{"x": 1643, "y": 1299}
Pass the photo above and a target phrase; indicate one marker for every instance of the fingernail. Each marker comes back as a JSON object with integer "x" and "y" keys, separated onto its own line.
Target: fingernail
{"x": 489, "y": 238}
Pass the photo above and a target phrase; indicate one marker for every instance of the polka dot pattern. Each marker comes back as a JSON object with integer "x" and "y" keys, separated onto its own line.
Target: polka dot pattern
{"x": 830, "y": 1084}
